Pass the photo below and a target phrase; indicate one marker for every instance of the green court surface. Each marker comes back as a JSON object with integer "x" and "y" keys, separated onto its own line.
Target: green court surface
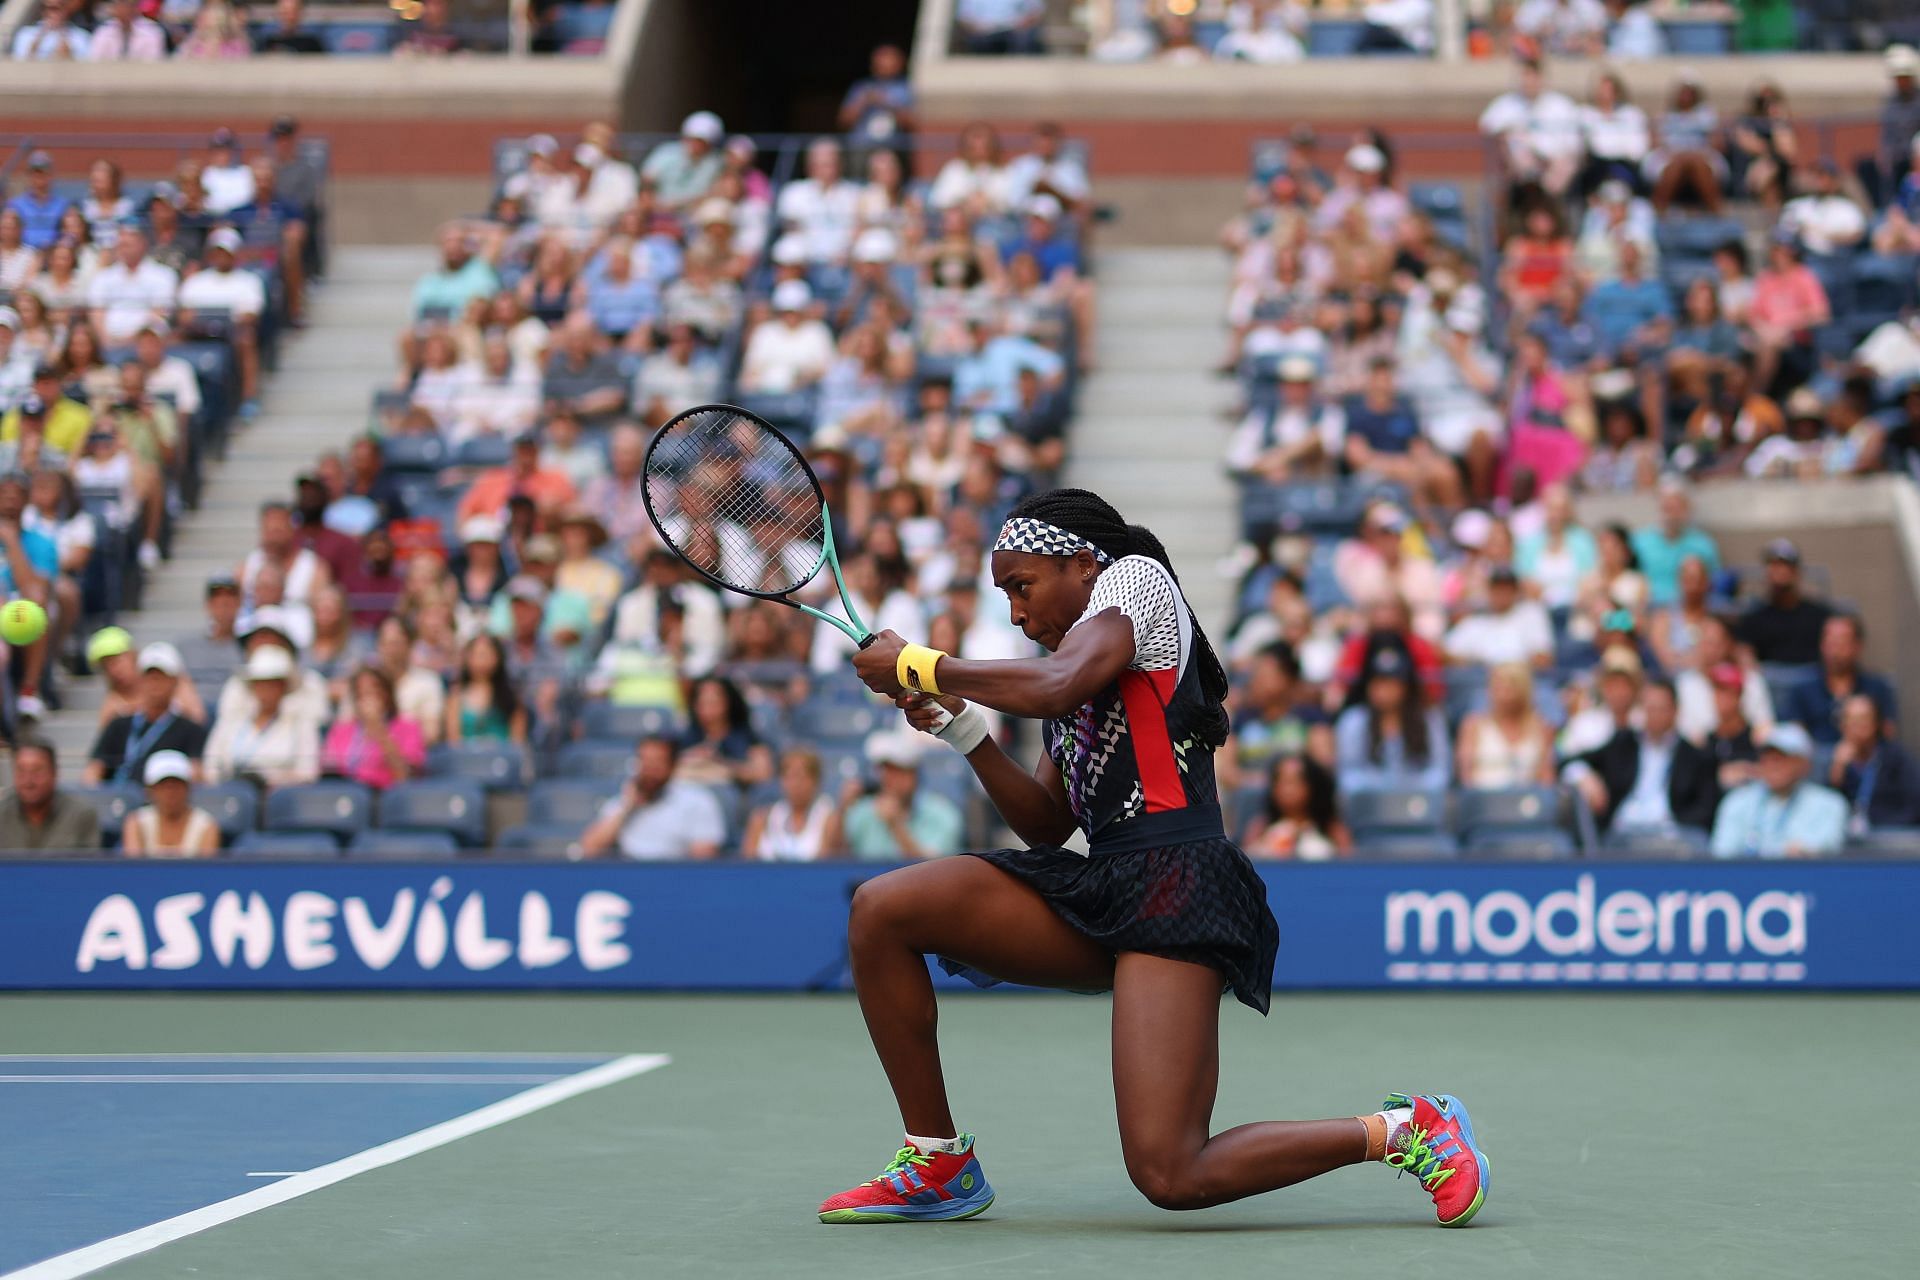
{"x": 1631, "y": 1135}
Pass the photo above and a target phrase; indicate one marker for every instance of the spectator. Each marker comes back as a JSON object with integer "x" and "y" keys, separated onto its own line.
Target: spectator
{"x": 1818, "y": 704}
{"x": 1538, "y": 130}
{"x": 18, "y": 259}
{"x": 35, "y": 815}
{"x": 1633, "y": 33}
{"x": 337, "y": 648}
{"x": 614, "y": 497}
{"x": 483, "y": 706}
{"x": 987, "y": 378}
{"x": 1732, "y": 740}
{"x": 53, "y": 509}
{"x": 999, "y": 26}
{"x": 803, "y": 824}
{"x": 1563, "y": 28}
{"x": 1787, "y": 627}
{"x": 564, "y": 450}
{"x": 126, "y": 36}
{"x": 1631, "y": 313}
{"x": 289, "y": 32}
{"x": 790, "y": 352}
{"x": 418, "y": 690}
{"x": 270, "y": 744}
{"x": 276, "y": 627}
{"x": 1389, "y": 739}
{"x": 53, "y": 38}
{"x": 1272, "y": 719}
{"x": 46, "y": 412}
{"x": 1624, "y": 460}
{"x": 339, "y": 552}
{"x": 656, "y": 817}
{"x": 167, "y": 375}
{"x": 1897, "y": 232}
{"x": 501, "y": 398}
{"x": 704, "y": 299}
{"x": 220, "y": 286}
{"x": 1553, "y": 562}
{"x": 682, "y": 172}
{"x": 975, "y": 180}
{"x": 1873, "y": 771}
{"x": 1510, "y": 629}
{"x": 121, "y": 750}
{"x": 1649, "y": 781}
{"x": 1376, "y": 564}
{"x": 1300, "y": 815}
{"x": 720, "y": 746}
{"x": 1781, "y": 814}
{"x": 1047, "y": 169}
{"x": 1789, "y": 304}
{"x": 172, "y": 242}
{"x": 132, "y": 291}
{"x": 1615, "y": 133}
{"x": 301, "y": 572}
{"x": 1674, "y": 631}
{"x": 1616, "y": 709}
{"x": 431, "y": 34}
{"x": 488, "y": 494}
{"x": 1714, "y": 648}
{"x": 1510, "y": 744}
{"x": 582, "y": 375}
{"x": 169, "y": 826}
{"x": 532, "y": 639}
{"x": 1824, "y": 220}
{"x": 29, "y": 566}
{"x": 822, "y": 208}
{"x": 1687, "y": 161}
{"x": 219, "y": 35}
{"x": 461, "y": 277}
{"x": 675, "y": 378}
{"x": 623, "y": 306}
{"x": 371, "y": 743}
{"x": 1661, "y": 548}
{"x": 898, "y": 820}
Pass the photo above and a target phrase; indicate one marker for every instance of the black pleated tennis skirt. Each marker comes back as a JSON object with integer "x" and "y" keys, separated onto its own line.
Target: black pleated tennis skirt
{"x": 1198, "y": 900}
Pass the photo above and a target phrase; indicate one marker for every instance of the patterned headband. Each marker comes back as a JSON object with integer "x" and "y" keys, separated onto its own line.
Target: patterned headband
{"x": 1037, "y": 537}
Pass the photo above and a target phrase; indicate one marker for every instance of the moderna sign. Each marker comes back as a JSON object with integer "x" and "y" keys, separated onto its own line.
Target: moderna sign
{"x": 719, "y": 926}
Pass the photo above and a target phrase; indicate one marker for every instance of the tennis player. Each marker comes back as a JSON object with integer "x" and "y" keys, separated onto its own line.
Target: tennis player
{"x": 1166, "y": 912}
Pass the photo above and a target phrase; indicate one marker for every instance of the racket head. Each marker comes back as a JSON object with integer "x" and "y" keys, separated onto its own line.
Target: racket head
{"x": 734, "y": 498}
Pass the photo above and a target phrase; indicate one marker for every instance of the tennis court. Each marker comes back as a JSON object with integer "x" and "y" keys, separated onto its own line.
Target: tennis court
{"x": 579, "y": 1135}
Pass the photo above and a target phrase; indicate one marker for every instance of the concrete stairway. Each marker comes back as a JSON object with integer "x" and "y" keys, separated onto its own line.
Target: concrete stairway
{"x": 1149, "y": 436}
{"x": 316, "y": 401}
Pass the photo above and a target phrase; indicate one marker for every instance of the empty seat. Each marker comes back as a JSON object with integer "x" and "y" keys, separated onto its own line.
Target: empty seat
{"x": 404, "y": 845}
{"x": 1499, "y": 816}
{"x": 482, "y": 451}
{"x": 1536, "y": 842}
{"x": 234, "y": 805}
{"x": 112, "y": 802}
{"x": 408, "y": 454}
{"x": 536, "y": 840}
{"x": 1685, "y": 843}
{"x": 604, "y": 760}
{"x": 1397, "y": 813}
{"x": 568, "y": 802}
{"x": 1411, "y": 846}
{"x": 341, "y": 808}
{"x": 285, "y": 844}
{"x": 603, "y": 720}
{"x": 456, "y": 806}
{"x": 497, "y": 766}
{"x": 1886, "y": 842}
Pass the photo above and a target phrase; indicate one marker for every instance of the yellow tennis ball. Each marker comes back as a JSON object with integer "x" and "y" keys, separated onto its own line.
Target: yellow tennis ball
{"x": 22, "y": 622}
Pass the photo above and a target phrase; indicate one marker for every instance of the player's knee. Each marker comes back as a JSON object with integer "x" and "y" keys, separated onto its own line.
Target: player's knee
{"x": 879, "y": 907}
{"x": 1167, "y": 1183}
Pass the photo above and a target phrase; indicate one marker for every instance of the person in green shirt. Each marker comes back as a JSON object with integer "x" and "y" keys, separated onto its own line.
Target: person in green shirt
{"x": 36, "y": 816}
{"x": 682, "y": 172}
{"x": 899, "y": 822}
{"x": 568, "y": 619}
{"x": 462, "y": 277}
{"x": 1661, "y": 547}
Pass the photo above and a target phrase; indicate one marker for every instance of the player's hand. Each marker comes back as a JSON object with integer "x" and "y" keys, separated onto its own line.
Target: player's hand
{"x": 877, "y": 665}
{"x": 923, "y": 710}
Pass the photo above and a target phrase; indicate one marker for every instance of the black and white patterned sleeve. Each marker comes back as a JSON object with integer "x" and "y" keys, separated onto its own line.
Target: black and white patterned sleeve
{"x": 1144, "y": 591}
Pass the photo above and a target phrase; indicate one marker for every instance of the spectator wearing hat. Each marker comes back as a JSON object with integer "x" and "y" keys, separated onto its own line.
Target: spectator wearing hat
{"x": 897, "y": 820}
{"x": 1873, "y": 770}
{"x": 169, "y": 826}
{"x": 1298, "y": 438}
{"x": 371, "y": 742}
{"x": 656, "y": 817}
{"x": 1781, "y": 814}
{"x": 1713, "y": 670}
{"x": 1615, "y": 708}
{"x": 111, "y": 652}
{"x": 433, "y": 33}
{"x": 582, "y": 375}
{"x": 131, "y": 291}
{"x": 999, "y": 26}
{"x": 1389, "y": 738}
{"x": 539, "y": 665}
{"x": 126, "y": 36}
{"x": 167, "y": 375}
{"x": 277, "y": 627}
{"x": 289, "y": 32}
{"x": 38, "y": 207}
{"x": 121, "y": 750}
{"x": 791, "y": 351}
{"x": 1648, "y": 781}
{"x": 523, "y": 475}
{"x": 581, "y": 571}
{"x": 568, "y": 615}
{"x": 1377, "y": 563}
{"x": 682, "y": 171}
{"x": 1818, "y": 705}
{"x": 36, "y": 816}
{"x": 1787, "y": 626}
{"x": 479, "y": 568}
{"x": 461, "y": 276}
{"x": 273, "y": 746}
{"x": 676, "y": 377}
{"x": 874, "y": 281}
{"x": 1661, "y": 547}
{"x": 1363, "y": 182}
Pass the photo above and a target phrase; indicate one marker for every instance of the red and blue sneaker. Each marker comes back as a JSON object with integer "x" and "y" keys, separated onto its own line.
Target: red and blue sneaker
{"x": 1437, "y": 1147}
{"x": 917, "y": 1187}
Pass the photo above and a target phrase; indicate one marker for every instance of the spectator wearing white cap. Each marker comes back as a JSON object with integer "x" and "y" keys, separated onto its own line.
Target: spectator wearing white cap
{"x": 1781, "y": 814}
{"x": 897, "y": 820}
{"x": 1298, "y": 438}
{"x": 875, "y": 252}
{"x": 169, "y": 826}
{"x": 1058, "y": 264}
{"x": 273, "y": 742}
{"x": 1363, "y": 181}
{"x": 120, "y": 752}
{"x": 682, "y": 171}
{"x": 791, "y": 351}
{"x": 221, "y": 286}
{"x": 822, "y": 207}
{"x": 704, "y": 297}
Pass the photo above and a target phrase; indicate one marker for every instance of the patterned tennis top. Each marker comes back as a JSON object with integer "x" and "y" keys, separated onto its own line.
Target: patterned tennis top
{"x": 1134, "y": 748}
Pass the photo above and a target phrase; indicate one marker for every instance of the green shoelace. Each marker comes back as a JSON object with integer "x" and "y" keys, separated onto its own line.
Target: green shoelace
{"x": 1417, "y": 1158}
{"x": 902, "y": 1158}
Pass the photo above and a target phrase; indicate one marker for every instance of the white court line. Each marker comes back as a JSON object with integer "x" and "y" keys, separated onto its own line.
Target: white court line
{"x": 291, "y": 1077}
{"x": 87, "y": 1260}
{"x": 287, "y": 1173}
{"x": 452, "y": 1056}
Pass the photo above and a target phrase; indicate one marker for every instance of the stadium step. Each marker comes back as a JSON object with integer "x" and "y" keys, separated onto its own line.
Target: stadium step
{"x": 314, "y": 402}
{"x": 1150, "y": 433}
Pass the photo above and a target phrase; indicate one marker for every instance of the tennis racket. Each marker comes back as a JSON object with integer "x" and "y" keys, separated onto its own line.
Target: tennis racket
{"x": 736, "y": 500}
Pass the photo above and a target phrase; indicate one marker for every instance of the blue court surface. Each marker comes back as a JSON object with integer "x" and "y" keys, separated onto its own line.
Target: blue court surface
{"x": 105, "y": 1156}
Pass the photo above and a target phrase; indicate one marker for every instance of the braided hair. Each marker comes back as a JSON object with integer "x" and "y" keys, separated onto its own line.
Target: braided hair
{"x": 1094, "y": 518}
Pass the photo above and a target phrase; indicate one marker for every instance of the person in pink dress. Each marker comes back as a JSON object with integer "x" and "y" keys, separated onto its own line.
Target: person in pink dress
{"x": 373, "y": 744}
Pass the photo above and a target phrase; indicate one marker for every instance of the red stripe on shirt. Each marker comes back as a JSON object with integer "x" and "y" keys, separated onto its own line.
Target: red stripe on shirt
{"x": 1145, "y": 695}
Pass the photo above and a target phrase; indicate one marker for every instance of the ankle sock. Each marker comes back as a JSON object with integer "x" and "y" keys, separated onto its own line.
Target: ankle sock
{"x": 953, "y": 1146}
{"x": 1383, "y": 1127}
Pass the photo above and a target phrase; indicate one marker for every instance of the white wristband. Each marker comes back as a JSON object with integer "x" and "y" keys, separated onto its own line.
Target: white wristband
{"x": 965, "y": 731}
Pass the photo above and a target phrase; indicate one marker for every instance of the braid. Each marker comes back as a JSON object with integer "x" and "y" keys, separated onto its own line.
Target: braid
{"x": 1091, "y": 516}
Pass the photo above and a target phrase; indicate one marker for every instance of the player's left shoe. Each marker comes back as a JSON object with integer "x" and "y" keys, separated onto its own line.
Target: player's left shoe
{"x": 917, "y": 1187}
{"x": 1437, "y": 1147}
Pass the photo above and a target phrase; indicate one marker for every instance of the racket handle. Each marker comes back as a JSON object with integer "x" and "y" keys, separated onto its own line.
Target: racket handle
{"x": 864, "y": 641}
{"x": 943, "y": 718}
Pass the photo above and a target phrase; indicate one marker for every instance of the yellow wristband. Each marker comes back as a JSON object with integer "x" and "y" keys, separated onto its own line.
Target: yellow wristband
{"x": 914, "y": 668}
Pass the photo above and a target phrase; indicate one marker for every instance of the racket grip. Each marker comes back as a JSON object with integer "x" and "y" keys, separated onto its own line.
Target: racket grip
{"x": 864, "y": 641}
{"x": 943, "y": 718}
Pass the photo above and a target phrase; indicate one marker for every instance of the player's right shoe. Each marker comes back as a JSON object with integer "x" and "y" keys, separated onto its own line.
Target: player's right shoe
{"x": 1437, "y": 1147}
{"x": 917, "y": 1187}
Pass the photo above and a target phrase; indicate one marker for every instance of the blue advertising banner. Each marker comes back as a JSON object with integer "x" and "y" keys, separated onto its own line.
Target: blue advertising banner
{"x": 500, "y": 925}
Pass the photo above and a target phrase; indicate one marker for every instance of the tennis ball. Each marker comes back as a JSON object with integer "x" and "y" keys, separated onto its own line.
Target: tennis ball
{"x": 22, "y": 622}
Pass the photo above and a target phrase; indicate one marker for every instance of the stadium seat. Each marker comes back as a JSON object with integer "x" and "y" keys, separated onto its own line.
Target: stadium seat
{"x": 1681, "y": 845}
{"x": 112, "y": 802}
{"x": 1512, "y": 815}
{"x": 403, "y": 846}
{"x": 1394, "y": 812}
{"x": 405, "y": 454}
{"x": 605, "y": 722}
{"x": 537, "y": 841}
{"x": 456, "y": 806}
{"x": 482, "y": 451}
{"x": 1405, "y": 846}
{"x": 497, "y": 766}
{"x": 1334, "y": 37}
{"x": 1885, "y": 842}
{"x": 1521, "y": 844}
{"x": 838, "y": 723}
{"x": 603, "y": 760}
{"x": 1698, "y": 38}
{"x": 568, "y": 802}
{"x": 340, "y": 808}
{"x": 234, "y": 805}
{"x": 285, "y": 844}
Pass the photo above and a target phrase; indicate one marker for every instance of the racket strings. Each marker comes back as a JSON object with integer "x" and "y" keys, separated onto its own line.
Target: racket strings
{"x": 739, "y": 502}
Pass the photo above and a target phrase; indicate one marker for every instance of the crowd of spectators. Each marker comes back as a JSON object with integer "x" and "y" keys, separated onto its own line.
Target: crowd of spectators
{"x": 222, "y": 31}
{"x": 135, "y": 319}
{"x": 1424, "y": 610}
{"x": 478, "y": 578}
